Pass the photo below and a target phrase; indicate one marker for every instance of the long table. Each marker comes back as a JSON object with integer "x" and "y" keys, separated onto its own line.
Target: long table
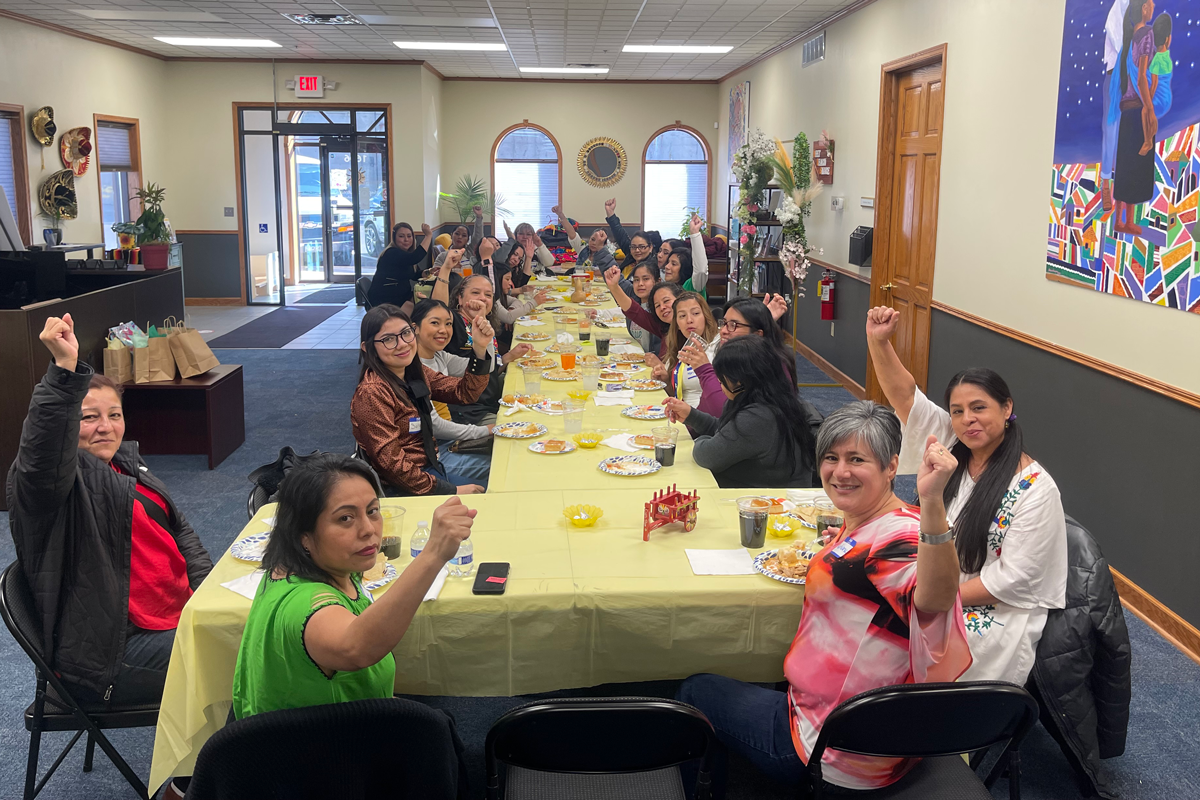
{"x": 582, "y": 607}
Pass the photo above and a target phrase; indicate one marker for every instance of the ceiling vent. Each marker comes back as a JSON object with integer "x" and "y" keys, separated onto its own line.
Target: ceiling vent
{"x": 814, "y": 50}
{"x": 585, "y": 66}
{"x": 323, "y": 19}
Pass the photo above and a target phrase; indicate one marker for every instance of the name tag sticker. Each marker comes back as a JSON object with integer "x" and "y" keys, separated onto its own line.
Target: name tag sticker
{"x": 414, "y": 424}
{"x": 495, "y": 579}
{"x": 843, "y": 548}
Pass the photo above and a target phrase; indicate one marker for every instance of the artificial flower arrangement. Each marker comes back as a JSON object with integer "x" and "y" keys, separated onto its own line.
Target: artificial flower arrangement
{"x": 753, "y": 169}
{"x": 794, "y": 176}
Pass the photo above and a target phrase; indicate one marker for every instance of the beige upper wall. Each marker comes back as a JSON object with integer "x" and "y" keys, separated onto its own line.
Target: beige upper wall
{"x": 995, "y": 174}
{"x": 475, "y": 112}
{"x": 101, "y": 80}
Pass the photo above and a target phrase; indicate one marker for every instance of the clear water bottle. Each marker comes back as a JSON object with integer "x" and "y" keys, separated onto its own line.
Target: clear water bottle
{"x": 420, "y": 538}
{"x": 463, "y": 563}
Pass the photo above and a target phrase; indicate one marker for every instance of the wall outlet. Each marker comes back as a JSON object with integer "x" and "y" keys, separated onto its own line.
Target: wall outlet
{"x": 838, "y": 204}
{"x": 229, "y": 211}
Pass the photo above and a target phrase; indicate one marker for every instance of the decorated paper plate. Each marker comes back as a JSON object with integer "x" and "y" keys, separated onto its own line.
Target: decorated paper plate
{"x": 767, "y": 562}
{"x": 644, "y": 385}
{"x": 619, "y": 340}
{"x": 560, "y": 374}
{"x": 612, "y": 375}
{"x": 628, "y": 369}
{"x": 628, "y": 358}
{"x": 527, "y": 400}
{"x": 389, "y": 575}
{"x": 642, "y": 441}
{"x": 553, "y": 407}
{"x": 590, "y": 359}
{"x": 519, "y": 430}
{"x": 529, "y": 318}
{"x": 251, "y": 548}
{"x": 645, "y": 412}
{"x": 629, "y": 465}
{"x": 563, "y": 348}
{"x": 553, "y": 447}
{"x": 532, "y": 337}
{"x": 590, "y": 303}
{"x": 540, "y": 361}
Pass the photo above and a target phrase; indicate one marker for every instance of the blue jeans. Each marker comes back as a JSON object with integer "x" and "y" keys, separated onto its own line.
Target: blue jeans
{"x": 456, "y": 479}
{"x": 143, "y": 670}
{"x": 749, "y": 720}
{"x": 476, "y": 466}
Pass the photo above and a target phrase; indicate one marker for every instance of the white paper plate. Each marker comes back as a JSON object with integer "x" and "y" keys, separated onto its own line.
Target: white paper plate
{"x": 645, "y": 385}
{"x": 633, "y": 466}
{"x": 250, "y": 548}
{"x": 628, "y": 369}
{"x": 619, "y": 340}
{"x": 644, "y": 412}
{"x": 532, "y": 337}
{"x": 529, "y": 318}
{"x": 551, "y": 376}
{"x": 763, "y": 556}
{"x": 506, "y": 431}
{"x": 633, "y": 442}
{"x": 540, "y": 447}
{"x": 518, "y": 396}
{"x": 389, "y": 575}
{"x": 551, "y": 407}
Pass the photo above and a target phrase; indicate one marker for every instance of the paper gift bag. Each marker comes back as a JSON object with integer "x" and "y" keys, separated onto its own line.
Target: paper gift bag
{"x": 192, "y": 354}
{"x": 154, "y": 362}
{"x": 118, "y": 364}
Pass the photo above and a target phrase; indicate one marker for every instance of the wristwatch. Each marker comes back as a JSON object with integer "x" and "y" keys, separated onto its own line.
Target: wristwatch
{"x": 935, "y": 538}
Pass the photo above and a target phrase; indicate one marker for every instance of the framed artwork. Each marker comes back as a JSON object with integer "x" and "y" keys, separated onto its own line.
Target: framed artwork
{"x": 739, "y": 118}
{"x": 1126, "y": 177}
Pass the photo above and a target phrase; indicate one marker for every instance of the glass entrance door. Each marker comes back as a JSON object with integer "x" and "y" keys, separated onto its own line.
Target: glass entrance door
{"x": 340, "y": 211}
{"x": 309, "y": 181}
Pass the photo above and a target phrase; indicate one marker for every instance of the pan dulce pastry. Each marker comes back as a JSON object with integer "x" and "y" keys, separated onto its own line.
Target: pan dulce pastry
{"x": 375, "y": 573}
{"x": 643, "y": 440}
{"x": 554, "y": 446}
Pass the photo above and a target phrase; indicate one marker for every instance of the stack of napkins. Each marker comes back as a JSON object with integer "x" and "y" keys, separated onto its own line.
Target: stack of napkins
{"x": 621, "y": 442}
{"x": 622, "y": 397}
{"x": 721, "y": 562}
{"x": 532, "y": 323}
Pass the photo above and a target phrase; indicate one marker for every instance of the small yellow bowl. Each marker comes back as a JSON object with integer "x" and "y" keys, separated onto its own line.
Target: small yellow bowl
{"x": 587, "y": 441}
{"x": 781, "y": 526}
{"x": 583, "y": 516}
{"x": 580, "y": 395}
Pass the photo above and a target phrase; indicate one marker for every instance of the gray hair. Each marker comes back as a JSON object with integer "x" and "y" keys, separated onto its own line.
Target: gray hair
{"x": 877, "y": 426}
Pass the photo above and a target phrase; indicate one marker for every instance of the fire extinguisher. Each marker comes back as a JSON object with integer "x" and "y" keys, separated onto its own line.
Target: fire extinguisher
{"x": 827, "y": 290}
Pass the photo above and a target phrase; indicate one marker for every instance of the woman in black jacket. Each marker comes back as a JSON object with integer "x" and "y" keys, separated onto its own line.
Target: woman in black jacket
{"x": 398, "y": 266}
{"x": 110, "y": 559}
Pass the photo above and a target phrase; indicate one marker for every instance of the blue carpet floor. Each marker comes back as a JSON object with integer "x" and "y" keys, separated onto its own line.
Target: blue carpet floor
{"x": 301, "y": 398}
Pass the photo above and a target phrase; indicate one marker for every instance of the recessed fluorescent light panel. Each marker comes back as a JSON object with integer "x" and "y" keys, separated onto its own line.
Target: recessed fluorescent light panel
{"x": 674, "y": 48}
{"x": 462, "y": 46}
{"x": 147, "y": 16}
{"x": 568, "y": 70}
{"x": 184, "y": 41}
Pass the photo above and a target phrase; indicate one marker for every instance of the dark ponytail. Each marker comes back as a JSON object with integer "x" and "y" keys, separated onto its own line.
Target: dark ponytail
{"x": 975, "y": 520}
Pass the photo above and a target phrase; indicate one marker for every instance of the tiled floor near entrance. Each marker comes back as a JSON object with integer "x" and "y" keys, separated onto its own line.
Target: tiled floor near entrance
{"x": 338, "y": 332}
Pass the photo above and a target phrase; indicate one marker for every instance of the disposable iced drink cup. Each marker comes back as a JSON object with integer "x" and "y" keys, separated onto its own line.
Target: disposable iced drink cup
{"x": 752, "y": 520}
{"x": 591, "y": 377}
{"x": 573, "y": 416}
{"x": 568, "y": 360}
{"x": 533, "y": 379}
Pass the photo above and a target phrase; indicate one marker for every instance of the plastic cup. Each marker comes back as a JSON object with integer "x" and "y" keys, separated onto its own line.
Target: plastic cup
{"x": 573, "y": 416}
{"x": 665, "y": 440}
{"x": 591, "y": 377}
{"x": 533, "y": 379}
{"x": 752, "y": 519}
{"x": 393, "y": 524}
{"x": 568, "y": 360}
{"x": 585, "y": 329}
{"x": 602, "y": 343}
{"x": 828, "y": 516}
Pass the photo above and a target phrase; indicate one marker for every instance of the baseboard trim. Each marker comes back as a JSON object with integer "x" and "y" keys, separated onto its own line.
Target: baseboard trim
{"x": 213, "y": 301}
{"x": 845, "y": 380}
{"x": 1169, "y": 625}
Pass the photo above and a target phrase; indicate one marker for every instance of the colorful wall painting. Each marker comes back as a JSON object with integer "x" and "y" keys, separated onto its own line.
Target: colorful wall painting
{"x": 1126, "y": 177}
{"x": 739, "y": 118}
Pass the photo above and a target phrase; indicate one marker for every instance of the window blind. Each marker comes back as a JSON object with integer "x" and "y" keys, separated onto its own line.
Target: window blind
{"x": 672, "y": 189}
{"x": 528, "y": 190}
{"x": 114, "y": 147}
{"x": 8, "y": 173}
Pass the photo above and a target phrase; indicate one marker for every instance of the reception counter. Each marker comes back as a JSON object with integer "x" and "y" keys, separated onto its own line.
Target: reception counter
{"x": 96, "y": 301}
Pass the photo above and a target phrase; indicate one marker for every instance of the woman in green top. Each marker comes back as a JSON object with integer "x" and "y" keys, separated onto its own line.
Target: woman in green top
{"x": 314, "y": 636}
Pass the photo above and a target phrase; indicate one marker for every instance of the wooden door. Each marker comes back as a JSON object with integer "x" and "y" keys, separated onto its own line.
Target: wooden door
{"x": 906, "y": 223}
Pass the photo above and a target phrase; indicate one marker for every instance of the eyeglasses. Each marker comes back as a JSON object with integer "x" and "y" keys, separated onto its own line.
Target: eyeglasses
{"x": 732, "y": 325}
{"x": 391, "y": 340}
{"x": 639, "y": 247}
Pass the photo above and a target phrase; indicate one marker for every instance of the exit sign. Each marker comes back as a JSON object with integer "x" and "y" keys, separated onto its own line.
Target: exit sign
{"x": 310, "y": 86}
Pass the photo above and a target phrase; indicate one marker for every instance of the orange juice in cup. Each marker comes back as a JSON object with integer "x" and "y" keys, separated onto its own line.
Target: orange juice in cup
{"x": 568, "y": 360}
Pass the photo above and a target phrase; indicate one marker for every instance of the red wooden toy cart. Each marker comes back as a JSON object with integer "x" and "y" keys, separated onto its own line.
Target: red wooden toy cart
{"x": 670, "y": 505}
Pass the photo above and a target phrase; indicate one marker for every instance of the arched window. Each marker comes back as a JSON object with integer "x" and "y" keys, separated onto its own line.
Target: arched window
{"x": 526, "y": 172}
{"x": 674, "y": 179}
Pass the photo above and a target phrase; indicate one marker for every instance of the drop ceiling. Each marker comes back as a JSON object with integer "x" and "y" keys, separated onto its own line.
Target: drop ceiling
{"x": 539, "y": 33}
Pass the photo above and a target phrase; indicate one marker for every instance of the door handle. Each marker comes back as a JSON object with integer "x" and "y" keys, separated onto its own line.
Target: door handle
{"x": 887, "y": 287}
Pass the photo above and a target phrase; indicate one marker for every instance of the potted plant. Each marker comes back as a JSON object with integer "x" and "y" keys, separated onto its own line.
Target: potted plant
{"x": 154, "y": 240}
{"x": 53, "y": 235}
{"x": 470, "y": 192}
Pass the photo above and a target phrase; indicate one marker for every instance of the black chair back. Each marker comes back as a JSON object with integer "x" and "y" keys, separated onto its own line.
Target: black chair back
{"x": 21, "y": 615}
{"x": 928, "y": 719}
{"x": 377, "y": 749}
{"x": 361, "y": 287}
{"x": 599, "y": 735}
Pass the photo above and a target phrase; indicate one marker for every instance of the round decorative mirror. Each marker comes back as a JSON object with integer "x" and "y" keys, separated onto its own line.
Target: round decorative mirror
{"x": 602, "y": 162}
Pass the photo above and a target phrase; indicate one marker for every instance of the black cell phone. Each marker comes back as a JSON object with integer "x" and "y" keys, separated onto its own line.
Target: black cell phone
{"x": 491, "y": 578}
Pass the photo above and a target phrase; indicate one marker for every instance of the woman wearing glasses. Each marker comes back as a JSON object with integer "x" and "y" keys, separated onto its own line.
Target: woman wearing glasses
{"x": 639, "y": 247}
{"x": 392, "y": 406}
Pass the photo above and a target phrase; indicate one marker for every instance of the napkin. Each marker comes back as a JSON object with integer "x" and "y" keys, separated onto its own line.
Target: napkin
{"x": 624, "y": 348}
{"x": 531, "y": 324}
{"x": 721, "y": 562}
{"x": 564, "y": 338}
{"x": 515, "y": 408}
{"x": 247, "y": 585}
{"x": 621, "y": 442}
{"x": 436, "y": 588}
{"x": 618, "y": 398}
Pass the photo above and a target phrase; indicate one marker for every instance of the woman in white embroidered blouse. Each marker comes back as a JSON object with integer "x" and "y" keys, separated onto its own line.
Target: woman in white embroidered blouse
{"x": 1004, "y": 507}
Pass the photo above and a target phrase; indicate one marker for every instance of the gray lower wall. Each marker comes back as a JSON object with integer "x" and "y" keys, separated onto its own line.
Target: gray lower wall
{"x": 211, "y": 265}
{"x": 845, "y": 346}
{"x": 1126, "y": 459}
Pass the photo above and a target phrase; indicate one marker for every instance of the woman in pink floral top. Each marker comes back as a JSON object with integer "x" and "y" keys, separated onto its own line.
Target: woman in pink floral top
{"x": 881, "y": 608}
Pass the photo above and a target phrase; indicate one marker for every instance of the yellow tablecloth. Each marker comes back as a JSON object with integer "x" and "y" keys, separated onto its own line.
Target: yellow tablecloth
{"x": 516, "y": 469}
{"x": 582, "y": 607}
